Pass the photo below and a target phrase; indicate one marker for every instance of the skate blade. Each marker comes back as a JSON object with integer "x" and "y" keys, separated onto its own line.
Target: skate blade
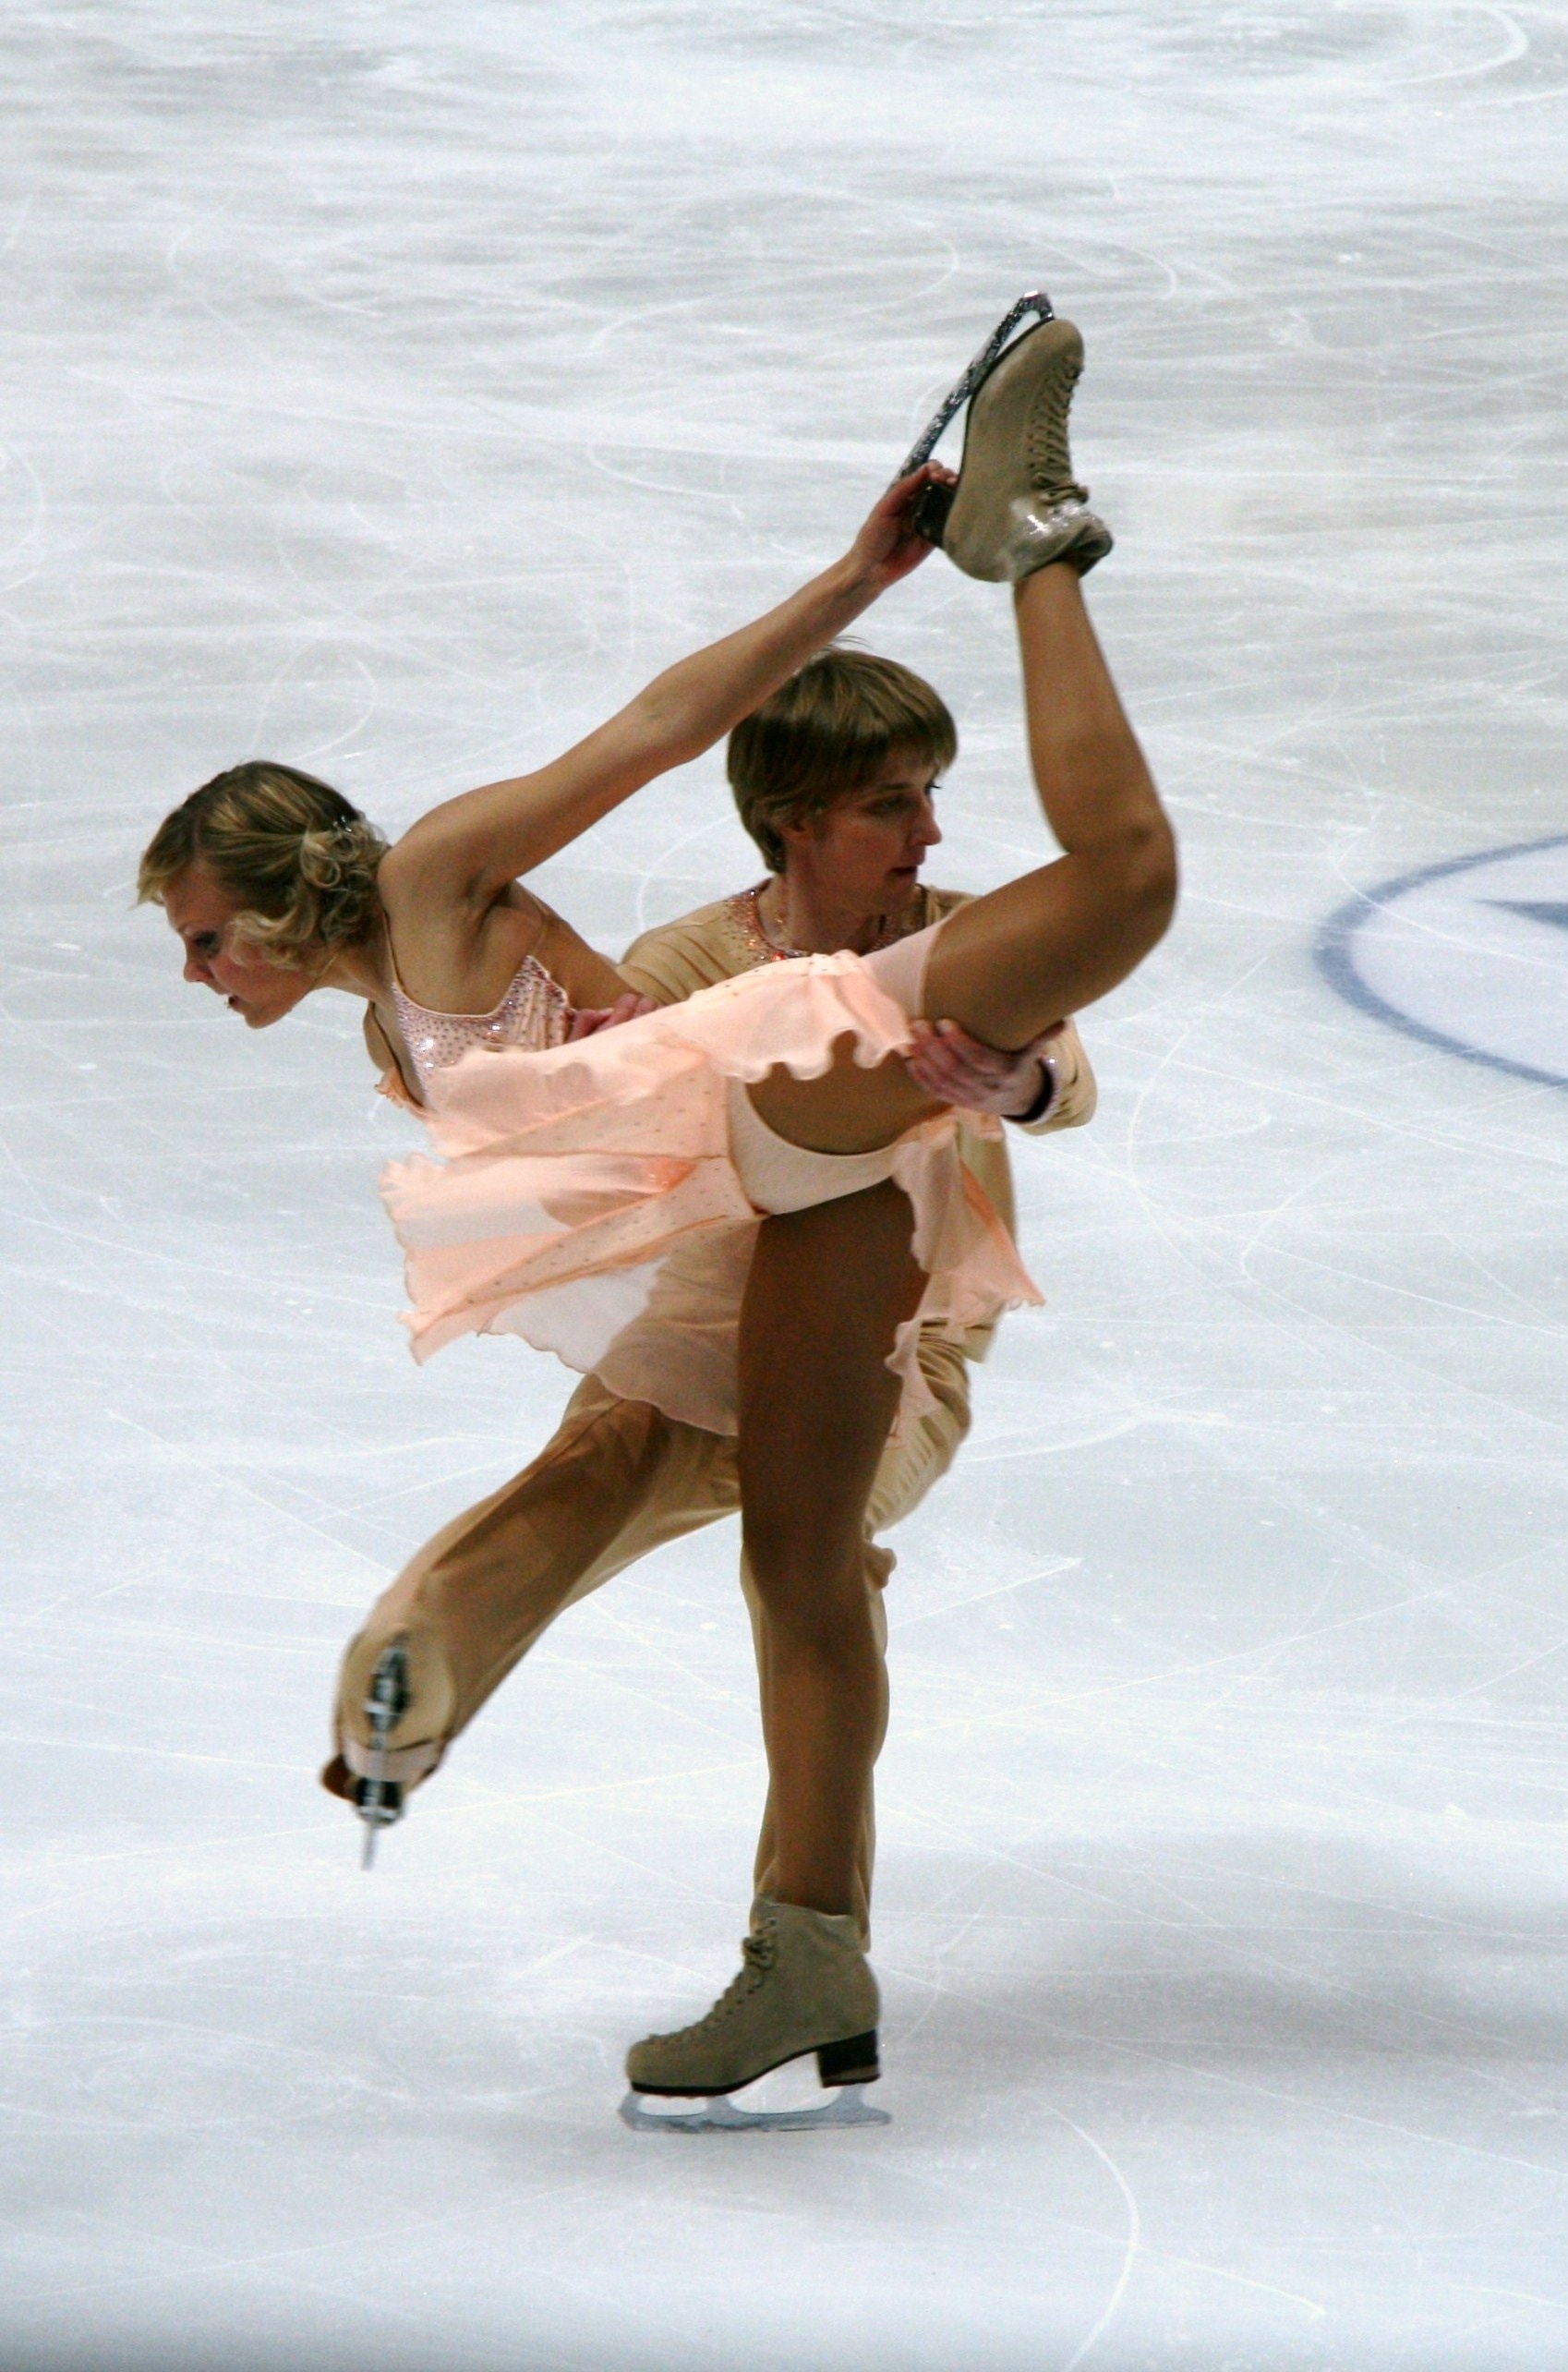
{"x": 953, "y": 403}
{"x": 848, "y": 2106}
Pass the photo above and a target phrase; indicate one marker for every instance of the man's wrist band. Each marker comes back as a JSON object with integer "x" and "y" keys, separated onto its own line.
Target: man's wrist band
{"x": 1045, "y": 1098}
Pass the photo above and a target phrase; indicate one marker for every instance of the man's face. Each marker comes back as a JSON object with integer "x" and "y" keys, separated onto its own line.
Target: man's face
{"x": 199, "y": 910}
{"x": 869, "y": 844}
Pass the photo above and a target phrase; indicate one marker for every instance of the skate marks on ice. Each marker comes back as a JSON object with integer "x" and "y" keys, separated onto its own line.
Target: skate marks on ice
{"x": 1471, "y": 955}
{"x": 1112, "y": 2307}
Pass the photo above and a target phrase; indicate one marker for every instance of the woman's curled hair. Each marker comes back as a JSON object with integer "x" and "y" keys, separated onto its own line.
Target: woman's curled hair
{"x": 300, "y": 859}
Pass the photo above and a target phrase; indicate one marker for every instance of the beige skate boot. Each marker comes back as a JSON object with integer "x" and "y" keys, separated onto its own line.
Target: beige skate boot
{"x": 803, "y": 1985}
{"x": 1017, "y": 505}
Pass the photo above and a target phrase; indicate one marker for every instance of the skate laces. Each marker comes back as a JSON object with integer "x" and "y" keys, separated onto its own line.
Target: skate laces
{"x": 1050, "y": 462}
{"x": 758, "y": 1954}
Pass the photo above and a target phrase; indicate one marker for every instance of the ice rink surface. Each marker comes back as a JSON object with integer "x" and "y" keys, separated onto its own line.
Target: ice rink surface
{"x": 393, "y": 388}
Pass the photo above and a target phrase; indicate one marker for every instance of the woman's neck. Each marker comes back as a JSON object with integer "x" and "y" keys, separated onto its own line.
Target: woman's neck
{"x": 363, "y": 970}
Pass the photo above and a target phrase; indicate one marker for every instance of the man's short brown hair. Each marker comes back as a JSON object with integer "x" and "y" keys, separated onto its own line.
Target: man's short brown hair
{"x": 828, "y": 730}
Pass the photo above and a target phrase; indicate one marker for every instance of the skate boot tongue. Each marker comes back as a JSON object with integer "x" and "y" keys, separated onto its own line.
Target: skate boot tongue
{"x": 758, "y": 1954}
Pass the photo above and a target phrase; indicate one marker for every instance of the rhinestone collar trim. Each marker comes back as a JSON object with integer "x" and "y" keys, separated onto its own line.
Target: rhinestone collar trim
{"x": 745, "y": 914}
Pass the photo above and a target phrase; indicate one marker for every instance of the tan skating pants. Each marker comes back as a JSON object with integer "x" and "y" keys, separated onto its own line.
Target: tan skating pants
{"x": 618, "y": 1479}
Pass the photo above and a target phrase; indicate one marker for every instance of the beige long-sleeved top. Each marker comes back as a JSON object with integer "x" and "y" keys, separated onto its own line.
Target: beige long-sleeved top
{"x": 716, "y": 942}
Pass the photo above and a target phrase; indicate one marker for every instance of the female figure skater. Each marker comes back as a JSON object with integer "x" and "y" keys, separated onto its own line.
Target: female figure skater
{"x": 602, "y": 1197}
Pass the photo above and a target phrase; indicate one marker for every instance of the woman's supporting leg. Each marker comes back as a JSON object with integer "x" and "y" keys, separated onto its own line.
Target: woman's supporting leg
{"x": 828, "y": 1287}
{"x": 765, "y": 1867}
{"x": 909, "y": 1466}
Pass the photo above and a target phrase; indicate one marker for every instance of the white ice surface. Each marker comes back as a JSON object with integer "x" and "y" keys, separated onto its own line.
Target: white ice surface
{"x": 393, "y": 388}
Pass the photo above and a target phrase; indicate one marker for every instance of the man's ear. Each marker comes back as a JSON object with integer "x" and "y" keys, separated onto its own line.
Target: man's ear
{"x": 806, "y": 834}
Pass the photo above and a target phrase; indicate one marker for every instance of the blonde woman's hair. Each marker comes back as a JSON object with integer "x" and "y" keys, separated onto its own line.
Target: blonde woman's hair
{"x": 829, "y": 730}
{"x": 299, "y": 858}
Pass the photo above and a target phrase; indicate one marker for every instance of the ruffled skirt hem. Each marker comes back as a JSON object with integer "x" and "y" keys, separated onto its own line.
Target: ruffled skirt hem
{"x": 589, "y": 1201}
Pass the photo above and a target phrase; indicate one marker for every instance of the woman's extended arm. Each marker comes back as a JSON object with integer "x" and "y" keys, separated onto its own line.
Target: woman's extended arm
{"x": 471, "y": 847}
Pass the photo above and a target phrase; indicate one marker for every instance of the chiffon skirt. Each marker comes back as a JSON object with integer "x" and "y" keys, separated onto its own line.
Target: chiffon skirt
{"x": 594, "y": 1198}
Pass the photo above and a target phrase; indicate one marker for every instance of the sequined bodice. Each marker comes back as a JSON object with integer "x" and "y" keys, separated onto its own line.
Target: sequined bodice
{"x": 532, "y": 1013}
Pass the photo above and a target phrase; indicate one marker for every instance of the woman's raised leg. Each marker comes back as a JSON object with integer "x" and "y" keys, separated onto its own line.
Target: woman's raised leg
{"x": 1013, "y": 961}
{"x": 1009, "y": 963}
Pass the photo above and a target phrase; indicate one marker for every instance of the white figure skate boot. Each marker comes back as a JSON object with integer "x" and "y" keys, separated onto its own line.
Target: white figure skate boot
{"x": 804, "y": 1986}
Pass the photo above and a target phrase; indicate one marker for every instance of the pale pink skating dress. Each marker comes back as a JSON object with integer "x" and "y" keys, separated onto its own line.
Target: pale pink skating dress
{"x": 601, "y": 1199}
